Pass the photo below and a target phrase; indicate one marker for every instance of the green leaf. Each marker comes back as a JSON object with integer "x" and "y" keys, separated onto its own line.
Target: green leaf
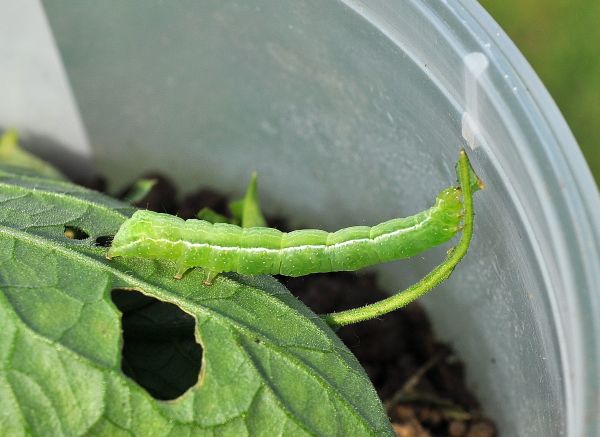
{"x": 140, "y": 189}
{"x": 212, "y": 216}
{"x": 246, "y": 210}
{"x": 12, "y": 154}
{"x": 269, "y": 365}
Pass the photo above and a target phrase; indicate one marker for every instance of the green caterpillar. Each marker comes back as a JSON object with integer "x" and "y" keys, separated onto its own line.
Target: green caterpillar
{"x": 223, "y": 247}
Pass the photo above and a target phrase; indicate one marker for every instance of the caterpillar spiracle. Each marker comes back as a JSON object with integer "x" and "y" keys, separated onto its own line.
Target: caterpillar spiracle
{"x": 224, "y": 247}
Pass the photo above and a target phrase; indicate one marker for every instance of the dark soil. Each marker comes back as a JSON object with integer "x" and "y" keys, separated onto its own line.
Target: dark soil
{"x": 420, "y": 379}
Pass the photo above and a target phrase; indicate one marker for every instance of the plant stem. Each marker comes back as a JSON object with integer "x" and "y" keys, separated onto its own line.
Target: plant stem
{"x": 435, "y": 277}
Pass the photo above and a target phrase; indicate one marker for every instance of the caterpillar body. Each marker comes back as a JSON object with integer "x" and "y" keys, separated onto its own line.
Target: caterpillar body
{"x": 223, "y": 247}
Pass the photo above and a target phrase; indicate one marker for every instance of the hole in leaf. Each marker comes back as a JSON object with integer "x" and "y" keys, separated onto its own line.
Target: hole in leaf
{"x": 160, "y": 351}
{"x": 75, "y": 233}
{"x": 104, "y": 241}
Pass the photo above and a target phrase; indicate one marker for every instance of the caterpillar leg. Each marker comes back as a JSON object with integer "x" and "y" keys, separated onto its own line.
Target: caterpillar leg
{"x": 210, "y": 277}
{"x": 181, "y": 269}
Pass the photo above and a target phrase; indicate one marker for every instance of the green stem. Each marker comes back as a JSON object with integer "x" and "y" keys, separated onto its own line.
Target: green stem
{"x": 434, "y": 278}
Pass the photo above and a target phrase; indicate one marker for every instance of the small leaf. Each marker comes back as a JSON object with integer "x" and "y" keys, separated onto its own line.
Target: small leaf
{"x": 139, "y": 190}
{"x": 247, "y": 210}
{"x": 212, "y": 216}
{"x": 12, "y": 154}
{"x": 269, "y": 365}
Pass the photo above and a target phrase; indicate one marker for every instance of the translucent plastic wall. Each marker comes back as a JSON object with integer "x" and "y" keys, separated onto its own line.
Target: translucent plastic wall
{"x": 353, "y": 112}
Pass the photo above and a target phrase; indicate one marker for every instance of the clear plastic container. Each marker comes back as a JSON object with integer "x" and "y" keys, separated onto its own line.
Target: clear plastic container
{"x": 353, "y": 112}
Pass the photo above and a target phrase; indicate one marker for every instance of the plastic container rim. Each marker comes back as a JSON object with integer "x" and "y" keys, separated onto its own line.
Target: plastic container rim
{"x": 581, "y": 218}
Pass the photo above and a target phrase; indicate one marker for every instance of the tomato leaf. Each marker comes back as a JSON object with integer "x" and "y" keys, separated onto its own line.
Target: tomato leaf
{"x": 269, "y": 365}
